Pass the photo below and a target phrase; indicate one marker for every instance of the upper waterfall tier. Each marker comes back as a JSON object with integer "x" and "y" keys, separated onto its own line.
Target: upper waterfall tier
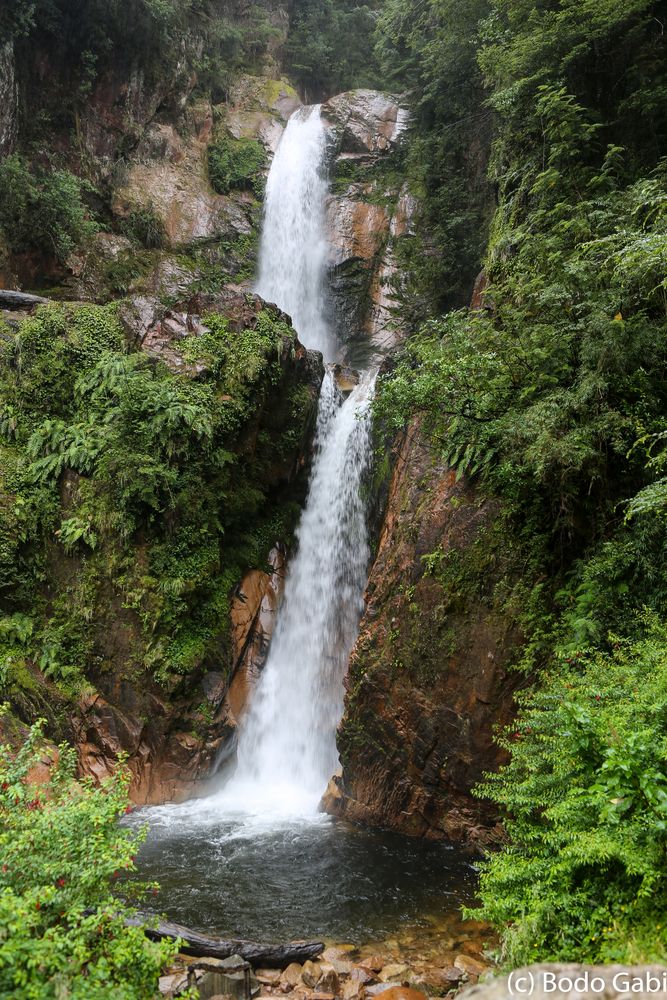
{"x": 293, "y": 248}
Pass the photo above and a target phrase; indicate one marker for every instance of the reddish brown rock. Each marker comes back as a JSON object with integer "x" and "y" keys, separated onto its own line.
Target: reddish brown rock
{"x": 373, "y": 963}
{"x": 253, "y": 617}
{"x": 417, "y": 737}
{"x": 40, "y": 773}
{"x": 402, "y": 993}
{"x": 472, "y": 967}
{"x": 291, "y": 976}
{"x": 329, "y": 981}
{"x": 311, "y": 973}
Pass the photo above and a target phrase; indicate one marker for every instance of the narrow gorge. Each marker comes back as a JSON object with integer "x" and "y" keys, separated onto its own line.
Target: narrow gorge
{"x": 264, "y": 828}
{"x": 333, "y": 367}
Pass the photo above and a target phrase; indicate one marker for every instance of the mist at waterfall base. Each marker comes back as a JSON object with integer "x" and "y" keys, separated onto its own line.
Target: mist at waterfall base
{"x": 257, "y": 859}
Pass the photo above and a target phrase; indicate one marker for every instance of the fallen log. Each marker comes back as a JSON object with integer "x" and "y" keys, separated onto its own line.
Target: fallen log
{"x": 19, "y": 300}
{"x": 265, "y": 956}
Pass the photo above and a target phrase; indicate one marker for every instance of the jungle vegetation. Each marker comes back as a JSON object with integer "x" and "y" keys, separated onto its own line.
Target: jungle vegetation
{"x": 551, "y": 397}
{"x": 538, "y": 142}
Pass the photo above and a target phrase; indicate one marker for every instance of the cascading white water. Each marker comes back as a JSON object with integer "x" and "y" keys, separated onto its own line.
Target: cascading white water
{"x": 293, "y": 247}
{"x": 287, "y": 746}
{"x": 257, "y": 860}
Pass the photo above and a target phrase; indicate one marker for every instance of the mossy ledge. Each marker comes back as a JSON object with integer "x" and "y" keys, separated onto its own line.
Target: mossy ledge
{"x": 148, "y": 459}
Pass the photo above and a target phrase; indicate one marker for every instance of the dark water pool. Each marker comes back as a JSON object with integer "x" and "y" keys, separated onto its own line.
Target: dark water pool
{"x": 297, "y": 877}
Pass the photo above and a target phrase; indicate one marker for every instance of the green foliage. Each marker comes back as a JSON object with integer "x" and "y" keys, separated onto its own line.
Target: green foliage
{"x": 547, "y": 398}
{"x": 430, "y": 49}
{"x": 236, "y": 164}
{"x": 62, "y": 929}
{"x": 585, "y": 797}
{"x": 330, "y": 46}
{"x": 165, "y": 39}
{"x": 131, "y": 478}
{"x": 42, "y": 210}
{"x": 551, "y": 397}
{"x": 17, "y": 20}
{"x": 144, "y": 226}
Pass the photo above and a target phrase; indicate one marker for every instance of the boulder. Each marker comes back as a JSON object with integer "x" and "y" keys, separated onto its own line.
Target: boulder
{"x": 393, "y": 971}
{"x": 259, "y": 109}
{"x": 291, "y": 976}
{"x": 229, "y": 977}
{"x": 311, "y": 973}
{"x": 398, "y": 993}
{"x": 351, "y": 989}
{"x": 472, "y": 967}
{"x": 366, "y": 121}
{"x": 268, "y": 977}
{"x": 172, "y": 985}
{"x": 329, "y": 981}
{"x": 361, "y": 975}
{"x": 374, "y": 963}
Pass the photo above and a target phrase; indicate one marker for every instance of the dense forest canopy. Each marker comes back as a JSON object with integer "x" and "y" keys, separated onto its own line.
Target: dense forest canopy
{"x": 538, "y": 145}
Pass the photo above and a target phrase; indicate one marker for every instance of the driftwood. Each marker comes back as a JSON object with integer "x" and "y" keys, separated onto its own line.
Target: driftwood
{"x": 19, "y": 300}
{"x": 265, "y": 956}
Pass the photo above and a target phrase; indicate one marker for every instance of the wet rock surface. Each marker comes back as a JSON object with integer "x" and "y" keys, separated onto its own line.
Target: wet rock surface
{"x": 169, "y": 176}
{"x": 8, "y": 99}
{"x": 368, "y": 211}
{"x": 414, "y": 741}
{"x": 259, "y": 109}
{"x": 421, "y": 962}
{"x": 254, "y": 611}
{"x": 365, "y": 122}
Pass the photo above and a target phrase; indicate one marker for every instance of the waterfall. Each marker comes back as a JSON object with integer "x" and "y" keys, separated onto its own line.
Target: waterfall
{"x": 293, "y": 247}
{"x": 287, "y": 744}
{"x": 287, "y": 747}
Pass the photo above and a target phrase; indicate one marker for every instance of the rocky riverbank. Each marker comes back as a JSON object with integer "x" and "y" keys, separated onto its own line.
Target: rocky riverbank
{"x": 429, "y": 961}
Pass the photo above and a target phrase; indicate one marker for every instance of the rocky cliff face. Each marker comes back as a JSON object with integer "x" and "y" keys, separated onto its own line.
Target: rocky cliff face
{"x": 175, "y": 248}
{"x": 428, "y": 680}
{"x": 369, "y": 210}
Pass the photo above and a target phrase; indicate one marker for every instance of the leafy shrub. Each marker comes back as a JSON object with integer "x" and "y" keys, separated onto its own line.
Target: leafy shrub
{"x": 585, "y": 796}
{"x": 41, "y": 210}
{"x": 62, "y": 929}
{"x": 330, "y": 46}
{"x": 551, "y": 398}
{"x": 18, "y": 19}
{"x": 537, "y": 397}
{"x": 143, "y": 225}
{"x": 236, "y": 164}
